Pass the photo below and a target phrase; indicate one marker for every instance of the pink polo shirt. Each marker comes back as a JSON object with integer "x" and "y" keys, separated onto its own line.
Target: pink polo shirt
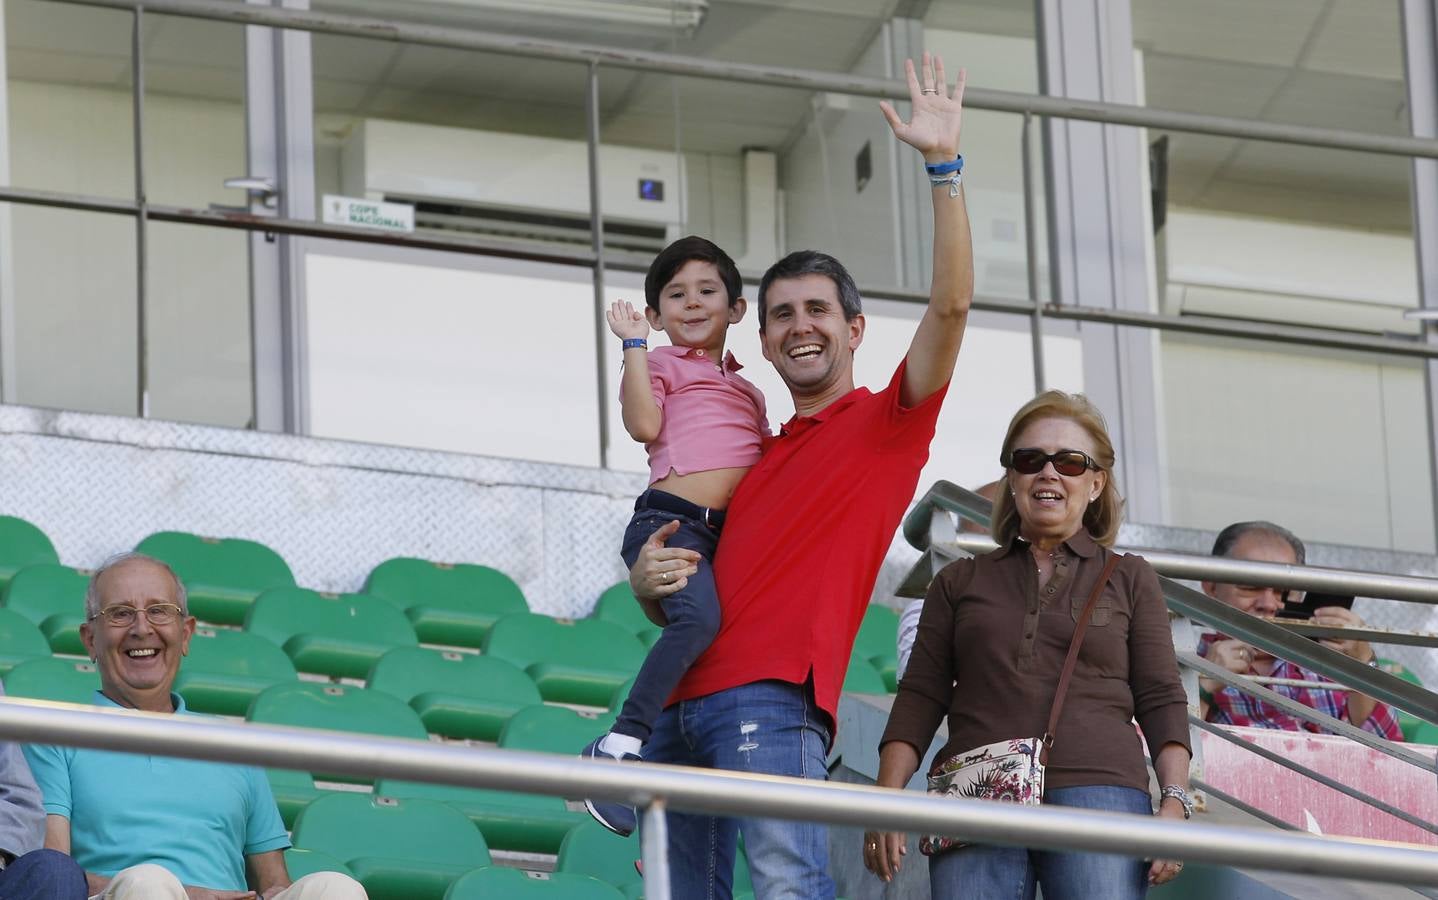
{"x": 712, "y": 418}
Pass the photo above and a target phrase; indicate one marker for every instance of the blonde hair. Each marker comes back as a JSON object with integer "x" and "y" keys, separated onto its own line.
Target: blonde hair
{"x": 1103, "y": 515}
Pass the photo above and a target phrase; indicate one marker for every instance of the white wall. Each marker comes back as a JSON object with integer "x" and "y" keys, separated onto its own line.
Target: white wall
{"x": 74, "y": 273}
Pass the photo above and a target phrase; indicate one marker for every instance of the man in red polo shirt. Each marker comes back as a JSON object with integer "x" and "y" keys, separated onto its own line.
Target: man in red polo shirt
{"x": 807, "y": 531}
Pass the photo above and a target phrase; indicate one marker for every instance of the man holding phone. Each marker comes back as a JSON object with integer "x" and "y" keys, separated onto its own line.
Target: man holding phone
{"x": 1270, "y": 543}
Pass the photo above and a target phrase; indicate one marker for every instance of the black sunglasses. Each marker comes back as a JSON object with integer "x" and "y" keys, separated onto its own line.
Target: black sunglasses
{"x": 1031, "y": 461}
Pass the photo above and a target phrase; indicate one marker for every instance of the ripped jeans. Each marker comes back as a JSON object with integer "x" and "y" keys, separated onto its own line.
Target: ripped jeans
{"x": 769, "y": 727}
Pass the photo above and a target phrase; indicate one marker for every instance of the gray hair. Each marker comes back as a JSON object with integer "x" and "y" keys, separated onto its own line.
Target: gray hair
{"x": 1228, "y": 537}
{"x": 92, "y": 591}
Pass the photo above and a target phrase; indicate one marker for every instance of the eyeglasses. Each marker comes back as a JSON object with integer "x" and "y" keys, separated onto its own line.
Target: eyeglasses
{"x": 1031, "y": 461}
{"x": 122, "y": 616}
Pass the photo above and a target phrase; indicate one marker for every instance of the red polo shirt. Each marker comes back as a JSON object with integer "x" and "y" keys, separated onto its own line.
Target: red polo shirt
{"x": 805, "y": 535}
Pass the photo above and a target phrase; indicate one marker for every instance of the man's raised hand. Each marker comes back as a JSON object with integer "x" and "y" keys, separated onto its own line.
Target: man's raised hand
{"x": 625, "y": 321}
{"x": 935, "y": 115}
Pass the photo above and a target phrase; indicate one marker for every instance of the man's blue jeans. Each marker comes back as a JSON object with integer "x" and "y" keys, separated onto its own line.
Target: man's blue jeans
{"x": 43, "y": 875}
{"x": 768, "y": 727}
{"x": 1011, "y": 873}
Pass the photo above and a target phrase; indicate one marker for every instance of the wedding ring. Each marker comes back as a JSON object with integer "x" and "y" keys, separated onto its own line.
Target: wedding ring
{"x": 668, "y": 576}
{"x": 873, "y": 846}
{"x": 929, "y": 91}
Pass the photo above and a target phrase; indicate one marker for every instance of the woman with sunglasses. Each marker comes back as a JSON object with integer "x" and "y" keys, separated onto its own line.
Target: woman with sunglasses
{"x": 992, "y": 640}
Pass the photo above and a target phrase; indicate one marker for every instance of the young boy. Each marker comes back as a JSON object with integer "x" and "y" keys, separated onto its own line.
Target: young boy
{"x": 702, "y": 425}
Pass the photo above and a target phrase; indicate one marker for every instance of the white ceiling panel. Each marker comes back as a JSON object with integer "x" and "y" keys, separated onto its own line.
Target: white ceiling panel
{"x": 1190, "y": 84}
{"x": 65, "y": 28}
{"x": 1324, "y": 100}
{"x": 43, "y": 65}
{"x": 204, "y": 82}
{"x": 1002, "y": 17}
{"x": 1350, "y": 208}
{"x": 1261, "y": 32}
{"x": 194, "y": 41}
{"x": 1360, "y": 37}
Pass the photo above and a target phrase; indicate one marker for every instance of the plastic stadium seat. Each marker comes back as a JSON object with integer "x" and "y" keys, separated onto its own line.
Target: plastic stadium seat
{"x": 618, "y": 605}
{"x": 530, "y": 823}
{"x": 53, "y": 597}
{"x": 22, "y": 544}
{"x": 48, "y": 678}
{"x": 863, "y": 678}
{"x": 515, "y": 884}
{"x": 20, "y": 640}
{"x": 877, "y": 642}
{"x": 590, "y": 849}
{"x": 305, "y": 704}
{"x": 550, "y": 729}
{"x": 293, "y": 792}
{"x": 458, "y": 695}
{"x": 398, "y": 849}
{"x": 227, "y": 669}
{"x": 341, "y": 635}
{"x": 222, "y": 576}
{"x": 300, "y": 863}
{"x": 572, "y": 661}
{"x": 452, "y": 604}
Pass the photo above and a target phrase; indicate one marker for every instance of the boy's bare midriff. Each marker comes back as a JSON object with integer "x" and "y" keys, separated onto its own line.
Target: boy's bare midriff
{"x": 711, "y": 488}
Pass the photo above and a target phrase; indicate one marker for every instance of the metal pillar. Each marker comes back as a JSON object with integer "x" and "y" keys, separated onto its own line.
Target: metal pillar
{"x": 142, "y": 250}
{"x": 1420, "y": 46}
{"x": 1031, "y": 256}
{"x": 279, "y": 133}
{"x": 596, "y": 231}
{"x": 1097, "y": 245}
{"x": 9, "y": 368}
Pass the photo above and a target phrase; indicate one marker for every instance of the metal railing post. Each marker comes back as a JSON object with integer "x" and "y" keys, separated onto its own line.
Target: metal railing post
{"x": 596, "y": 230}
{"x": 1031, "y": 256}
{"x": 142, "y": 250}
{"x": 654, "y": 847}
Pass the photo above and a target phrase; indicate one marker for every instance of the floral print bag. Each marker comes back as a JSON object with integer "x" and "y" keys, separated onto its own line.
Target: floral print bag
{"x": 1010, "y": 771}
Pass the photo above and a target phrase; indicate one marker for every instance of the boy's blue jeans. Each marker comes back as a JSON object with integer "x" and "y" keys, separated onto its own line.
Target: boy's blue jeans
{"x": 1011, "y": 873}
{"x": 693, "y": 612}
{"x": 769, "y": 728}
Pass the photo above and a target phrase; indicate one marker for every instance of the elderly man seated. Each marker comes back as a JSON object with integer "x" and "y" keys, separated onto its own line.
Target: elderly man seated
{"x": 159, "y": 826}
{"x": 1266, "y": 542}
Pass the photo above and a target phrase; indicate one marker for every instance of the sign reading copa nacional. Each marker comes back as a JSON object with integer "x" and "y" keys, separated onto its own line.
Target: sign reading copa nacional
{"x": 368, "y": 213}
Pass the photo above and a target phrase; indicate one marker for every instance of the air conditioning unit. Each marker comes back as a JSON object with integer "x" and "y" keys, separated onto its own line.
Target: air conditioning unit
{"x": 512, "y": 186}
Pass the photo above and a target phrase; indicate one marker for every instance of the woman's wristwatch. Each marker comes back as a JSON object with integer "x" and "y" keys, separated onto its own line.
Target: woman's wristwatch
{"x": 1179, "y": 794}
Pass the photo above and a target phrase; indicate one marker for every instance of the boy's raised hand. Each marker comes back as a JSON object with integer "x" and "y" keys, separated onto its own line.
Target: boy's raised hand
{"x": 626, "y": 321}
{"x": 936, "y": 114}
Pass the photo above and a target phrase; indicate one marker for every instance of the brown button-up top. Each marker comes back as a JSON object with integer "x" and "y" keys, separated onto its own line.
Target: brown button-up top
{"x": 991, "y": 644}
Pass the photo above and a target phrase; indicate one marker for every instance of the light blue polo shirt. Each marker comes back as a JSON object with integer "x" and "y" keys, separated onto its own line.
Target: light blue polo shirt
{"x": 197, "y": 819}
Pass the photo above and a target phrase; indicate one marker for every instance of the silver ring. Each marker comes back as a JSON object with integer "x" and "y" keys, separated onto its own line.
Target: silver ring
{"x": 668, "y": 576}
{"x": 929, "y": 91}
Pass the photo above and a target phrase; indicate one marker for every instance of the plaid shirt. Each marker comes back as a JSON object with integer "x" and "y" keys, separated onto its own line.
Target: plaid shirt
{"x": 1231, "y": 706}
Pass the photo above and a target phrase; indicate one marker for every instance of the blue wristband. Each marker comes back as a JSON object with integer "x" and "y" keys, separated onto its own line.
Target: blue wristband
{"x": 945, "y": 168}
{"x": 632, "y": 343}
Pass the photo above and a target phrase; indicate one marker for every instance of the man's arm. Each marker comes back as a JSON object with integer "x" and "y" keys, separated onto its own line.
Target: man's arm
{"x": 933, "y": 130}
{"x": 267, "y": 872}
{"x": 57, "y": 837}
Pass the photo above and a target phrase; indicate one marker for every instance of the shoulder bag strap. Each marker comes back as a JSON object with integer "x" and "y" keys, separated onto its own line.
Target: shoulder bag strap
{"x": 1072, "y": 659}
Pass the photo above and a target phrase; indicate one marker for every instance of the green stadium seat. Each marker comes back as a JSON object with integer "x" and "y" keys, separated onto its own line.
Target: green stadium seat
{"x": 340, "y": 635}
{"x": 457, "y": 695}
{"x": 1409, "y": 724}
{"x": 516, "y": 884}
{"x": 398, "y": 849}
{"x": 453, "y": 604}
{"x": 572, "y": 661}
{"x": 49, "y": 678}
{"x": 300, "y": 863}
{"x": 591, "y": 849}
{"x": 877, "y": 642}
{"x": 529, "y": 823}
{"x": 20, "y": 640}
{"x": 550, "y": 729}
{"x": 22, "y": 544}
{"x": 53, "y": 597}
{"x": 222, "y": 576}
{"x": 333, "y": 707}
{"x": 293, "y": 792}
{"x": 863, "y": 678}
{"x": 227, "y": 669}
{"x": 618, "y": 605}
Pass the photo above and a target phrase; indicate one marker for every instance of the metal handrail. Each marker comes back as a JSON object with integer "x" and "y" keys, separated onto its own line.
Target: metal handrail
{"x": 1299, "y": 710}
{"x": 1330, "y": 783}
{"x": 1382, "y": 686}
{"x": 729, "y": 794}
{"x": 771, "y": 76}
{"x": 945, "y": 495}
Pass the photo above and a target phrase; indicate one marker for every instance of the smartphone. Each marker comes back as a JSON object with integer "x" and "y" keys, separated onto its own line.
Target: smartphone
{"x": 1303, "y": 609}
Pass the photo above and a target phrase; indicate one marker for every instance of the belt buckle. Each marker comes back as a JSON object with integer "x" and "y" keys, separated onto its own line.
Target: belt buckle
{"x": 707, "y": 522}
